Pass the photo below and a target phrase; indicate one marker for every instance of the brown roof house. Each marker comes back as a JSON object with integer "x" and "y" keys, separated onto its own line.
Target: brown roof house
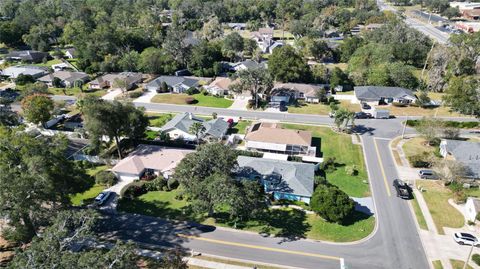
{"x": 67, "y": 78}
{"x": 149, "y": 159}
{"x": 219, "y": 86}
{"x": 108, "y": 80}
{"x": 270, "y": 137}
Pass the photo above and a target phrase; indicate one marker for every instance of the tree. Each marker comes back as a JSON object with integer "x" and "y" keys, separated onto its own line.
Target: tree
{"x": 129, "y": 61}
{"x": 197, "y": 129}
{"x": 429, "y": 128}
{"x": 401, "y": 75}
{"x": 35, "y": 88}
{"x": 255, "y": 80}
{"x": 331, "y": 203}
{"x": 114, "y": 120}
{"x": 338, "y": 78}
{"x": 233, "y": 45}
{"x": 157, "y": 61}
{"x": 286, "y": 65}
{"x": 212, "y": 29}
{"x": 36, "y": 181}
{"x": 37, "y": 108}
{"x": 57, "y": 82}
{"x": 321, "y": 94}
{"x": 343, "y": 116}
{"x": 422, "y": 99}
{"x": 450, "y": 170}
{"x": 349, "y": 46}
{"x": 121, "y": 84}
{"x": 462, "y": 95}
{"x": 451, "y": 12}
{"x": 24, "y": 79}
{"x": 203, "y": 58}
{"x": 175, "y": 44}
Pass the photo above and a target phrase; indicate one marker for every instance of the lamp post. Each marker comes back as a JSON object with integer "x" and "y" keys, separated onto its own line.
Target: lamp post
{"x": 469, "y": 254}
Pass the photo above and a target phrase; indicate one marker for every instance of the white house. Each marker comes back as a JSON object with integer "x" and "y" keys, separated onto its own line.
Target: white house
{"x": 384, "y": 94}
{"x": 71, "y": 53}
{"x": 13, "y": 72}
{"x": 220, "y": 86}
{"x": 472, "y": 207}
{"x": 175, "y": 84}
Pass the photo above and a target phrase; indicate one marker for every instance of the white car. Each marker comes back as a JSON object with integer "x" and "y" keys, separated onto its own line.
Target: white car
{"x": 102, "y": 197}
{"x": 465, "y": 239}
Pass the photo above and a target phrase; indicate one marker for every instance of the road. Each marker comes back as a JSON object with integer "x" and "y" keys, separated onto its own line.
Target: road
{"x": 394, "y": 244}
{"x": 425, "y": 28}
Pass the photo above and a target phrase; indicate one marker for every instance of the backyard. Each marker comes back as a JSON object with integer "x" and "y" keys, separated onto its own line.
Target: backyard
{"x": 202, "y": 100}
{"x": 340, "y": 146}
{"x": 285, "y": 222}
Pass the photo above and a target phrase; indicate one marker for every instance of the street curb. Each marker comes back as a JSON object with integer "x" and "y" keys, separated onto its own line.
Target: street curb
{"x": 249, "y": 261}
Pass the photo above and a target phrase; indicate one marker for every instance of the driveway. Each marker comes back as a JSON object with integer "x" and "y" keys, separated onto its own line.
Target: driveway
{"x": 239, "y": 104}
{"x": 146, "y": 97}
{"x": 112, "y": 94}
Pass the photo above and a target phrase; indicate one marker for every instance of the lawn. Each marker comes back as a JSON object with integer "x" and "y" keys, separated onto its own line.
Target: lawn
{"x": 75, "y": 91}
{"x": 437, "y": 264}
{"x": 415, "y": 146}
{"x": 456, "y": 264}
{"x": 419, "y": 215}
{"x": 90, "y": 194}
{"x": 159, "y": 119}
{"x": 441, "y": 111}
{"x": 340, "y": 146}
{"x": 202, "y": 100}
{"x": 279, "y": 222}
{"x": 321, "y": 109}
{"x": 443, "y": 214}
{"x": 49, "y": 63}
{"x": 240, "y": 127}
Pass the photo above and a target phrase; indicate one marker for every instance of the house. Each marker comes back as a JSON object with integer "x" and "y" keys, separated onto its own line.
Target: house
{"x": 71, "y": 53}
{"x": 236, "y": 26}
{"x": 373, "y": 26}
{"x": 264, "y": 39}
{"x": 282, "y": 179}
{"x": 248, "y": 64}
{"x": 468, "y": 26}
{"x": 149, "y": 160}
{"x": 179, "y": 128}
{"x": 289, "y": 92}
{"x": 382, "y": 94}
{"x": 220, "y": 86}
{"x": 13, "y": 72}
{"x": 270, "y": 137}
{"x": 472, "y": 207}
{"x": 175, "y": 84}
{"x": 108, "y": 80}
{"x": 29, "y": 56}
{"x": 473, "y": 14}
{"x": 465, "y": 5}
{"x": 61, "y": 67}
{"x": 67, "y": 78}
{"x": 465, "y": 152}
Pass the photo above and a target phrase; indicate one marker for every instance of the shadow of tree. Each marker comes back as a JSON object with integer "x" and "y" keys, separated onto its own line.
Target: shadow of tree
{"x": 356, "y": 216}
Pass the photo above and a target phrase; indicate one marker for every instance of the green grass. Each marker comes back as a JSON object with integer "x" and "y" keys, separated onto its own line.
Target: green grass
{"x": 321, "y": 109}
{"x": 361, "y": 227}
{"x": 415, "y": 146}
{"x": 419, "y": 215}
{"x": 90, "y": 194}
{"x": 151, "y": 135}
{"x": 49, "y": 63}
{"x": 240, "y": 127}
{"x": 456, "y": 264}
{"x": 75, "y": 91}
{"x": 340, "y": 146}
{"x": 437, "y": 264}
{"x": 202, "y": 100}
{"x": 159, "y": 119}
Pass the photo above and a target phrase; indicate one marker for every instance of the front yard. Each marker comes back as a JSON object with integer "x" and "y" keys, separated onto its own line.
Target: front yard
{"x": 75, "y": 91}
{"x": 202, "y": 100}
{"x": 321, "y": 109}
{"x": 279, "y": 222}
{"x": 90, "y": 194}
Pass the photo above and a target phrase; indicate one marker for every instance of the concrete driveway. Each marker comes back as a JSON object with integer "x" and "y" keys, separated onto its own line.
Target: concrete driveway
{"x": 146, "y": 97}
{"x": 239, "y": 104}
{"x": 112, "y": 94}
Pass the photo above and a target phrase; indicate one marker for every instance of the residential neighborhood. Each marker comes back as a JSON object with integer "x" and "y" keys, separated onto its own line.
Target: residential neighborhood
{"x": 239, "y": 134}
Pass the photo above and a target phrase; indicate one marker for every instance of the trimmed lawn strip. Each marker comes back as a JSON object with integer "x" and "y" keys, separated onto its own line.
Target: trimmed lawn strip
{"x": 346, "y": 153}
{"x": 443, "y": 214}
{"x": 233, "y": 262}
{"x": 202, "y": 100}
{"x": 456, "y": 264}
{"x": 440, "y": 111}
{"x": 279, "y": 222}
{"x": 419, "y": 215}
{"x": 437, "y": 264}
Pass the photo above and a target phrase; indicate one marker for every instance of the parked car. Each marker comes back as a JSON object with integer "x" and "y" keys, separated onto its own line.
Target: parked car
{"x": 103, "y": 197}
{"x": 331, "y": 114}
{"x": 465, "y": 239}
{"x": 366, "y": 106}
{"x": 427, "y": 174}
{"x": 403, "y": 190}
{"x": 362, "y": 115}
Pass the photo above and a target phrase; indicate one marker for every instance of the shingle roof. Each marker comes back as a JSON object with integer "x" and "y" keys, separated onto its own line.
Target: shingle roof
{"x": 468, "y": 153}
{"x": 374, "y": 93}
{"x": 308, "y": 90}
{"x": 296, "y": 177}
{"x": 65, "y": 76}
{"x": 216, "y": 127}
{"x": 183, "y": 122}
{"x": 172, "y": 81}
{"x": 130, "y": 77}
{"x": 261, "y": 132}
{"x": 28, "y": 55}
{"x": 14, "y": 71}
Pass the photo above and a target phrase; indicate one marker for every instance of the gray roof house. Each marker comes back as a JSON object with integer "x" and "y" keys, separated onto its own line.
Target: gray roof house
{"x": 31, "y": 56}
{"x": 108, "y": 80}
{"x": 179, "y": 127}
{"x": 248, "y": 64}
{"x": 284, "y": 179}
{"x": 175, "y": 84}
{"x": 71, "y": 53}
{"x": 67, "y": 78}
{"x": 385, "y": 94}
{"x": 467, "y": 153}
{"x": 34, "y": 71}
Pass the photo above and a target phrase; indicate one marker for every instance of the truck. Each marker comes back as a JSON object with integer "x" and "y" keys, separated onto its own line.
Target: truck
{"x": 402, "y": 188}
{"x": 381, "y": 114}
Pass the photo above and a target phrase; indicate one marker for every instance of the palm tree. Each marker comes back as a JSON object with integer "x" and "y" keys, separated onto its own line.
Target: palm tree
{"x": 197, "y": 129}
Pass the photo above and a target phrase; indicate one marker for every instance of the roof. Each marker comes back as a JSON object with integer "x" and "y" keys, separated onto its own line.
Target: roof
{"x": 476, "y": 203}
{"x": 216, "y": 127}
{"x": 72, "y": 51}
{"x": 467, "y": 153}
{"x": 308, "y": 90}
{"x": 173, "y": 80}
{"x": 14, "y": 71}
{"x": 65, "y": 76}
{"x": 472, "y": 12}
{"x": 266, "y": 31}
{"x": 221, "y": 82}
{"x": 296, "y": 178}
{"x": 374, "y": 93}
{"x": 130, "y": 77}
{"x": 250, "y": 64}
{"x": 270, "y": 133}
{"x": 28, "y": 55}
{"x": 150, "y": 157}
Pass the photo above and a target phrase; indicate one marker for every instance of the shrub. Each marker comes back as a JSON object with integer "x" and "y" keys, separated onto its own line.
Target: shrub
{"x": 192, "y": 91}
{"x": 24, "y": 79}
{"x": 328, "y": 164}
{"x": 172, "y": 183}
{"x": 205, "y": 93}
{"x": 419, "y": 160}
{"x": 156, "y": 184}
{"x": 135, "y": 94}
{"x": 135, "y": 190}
{"x": 351, "y": 170}
{"x": 190, "y": 100}
{"x": 105, "y": 178}
{"x": 398, "y": 104}
{"x": 476, "y": 258}
{"x": 460, "y": 197}
{"x": 331, "y": 203}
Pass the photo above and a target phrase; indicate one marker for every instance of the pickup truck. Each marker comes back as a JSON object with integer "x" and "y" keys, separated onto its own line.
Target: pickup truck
{"x": 403, "y": 190}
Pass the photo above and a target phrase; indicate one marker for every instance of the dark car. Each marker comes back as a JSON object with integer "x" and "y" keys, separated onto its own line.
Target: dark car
{"x": 366, "y": 106}
{"x": 427, "y": 174}
{"x": 362, "y": 115}
{"x": 403, "y": 190}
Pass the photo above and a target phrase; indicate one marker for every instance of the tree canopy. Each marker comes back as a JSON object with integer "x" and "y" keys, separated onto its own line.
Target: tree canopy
{"x": 286, "y": 65}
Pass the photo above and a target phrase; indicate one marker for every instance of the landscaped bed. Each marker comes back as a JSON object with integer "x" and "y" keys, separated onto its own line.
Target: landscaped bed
{"x": 202, "y": 100}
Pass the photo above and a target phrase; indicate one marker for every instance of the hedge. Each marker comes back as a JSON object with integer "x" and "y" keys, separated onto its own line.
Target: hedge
{"x": 456, "y": 124}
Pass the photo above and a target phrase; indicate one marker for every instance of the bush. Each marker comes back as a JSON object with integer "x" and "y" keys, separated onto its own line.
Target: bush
{"x": 328, "y": 164}
{"x": 419, "y": 160}
{"x": 156, "y": 184}
{"x": 397, "y": 104}
{"x": 476, "y": 258}
{"x": 24, "y": 79}
{"x": 172, "y": 184}
{"x": 351, "y": 170}
{"x": 331, "y": 203}
{"x": 105, "y": 178}
{"x": 135, "y": 190}
{"x": 190, "y": 100}
{"x": 135, "y": 94}
{"x": 205, "y": 93}
{"x": 192, "y": 91}
{"x": 249, "y": 153}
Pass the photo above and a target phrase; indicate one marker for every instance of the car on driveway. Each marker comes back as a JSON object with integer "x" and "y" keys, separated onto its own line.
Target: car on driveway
{"x": 366, "y": 106}
{"x": 427, "y": 174}
{"x": 465, "y": 239}
{"x": 403, "y": 190}
{"x": 103, "y": 197}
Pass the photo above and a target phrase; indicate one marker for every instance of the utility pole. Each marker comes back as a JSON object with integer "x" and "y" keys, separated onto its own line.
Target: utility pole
{"x": 404, "y": 127}
{"x": 426, "y": 60}
{"x": 469, "y": 254}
